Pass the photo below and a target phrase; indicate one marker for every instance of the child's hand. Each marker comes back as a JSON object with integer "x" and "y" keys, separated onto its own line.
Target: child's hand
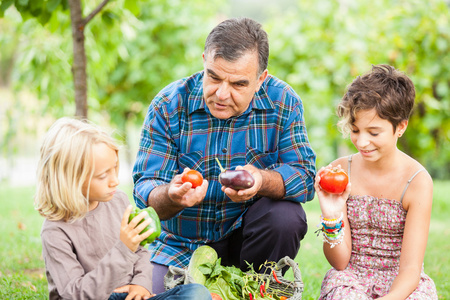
{"x": 331, "y": 204}
{"x": 134, "y": 292}
{"x": 129, "y": 232}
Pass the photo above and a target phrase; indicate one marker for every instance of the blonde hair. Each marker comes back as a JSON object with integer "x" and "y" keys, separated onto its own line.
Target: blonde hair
{"x": 66, "y": 163}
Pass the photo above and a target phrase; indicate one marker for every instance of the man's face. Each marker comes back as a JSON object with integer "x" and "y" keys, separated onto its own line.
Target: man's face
{"x": 229, "y": 87}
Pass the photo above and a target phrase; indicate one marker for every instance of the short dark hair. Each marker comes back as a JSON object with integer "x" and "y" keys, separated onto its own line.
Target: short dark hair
{"x": 232, "y": 38}
{"x": 387, "y": 90}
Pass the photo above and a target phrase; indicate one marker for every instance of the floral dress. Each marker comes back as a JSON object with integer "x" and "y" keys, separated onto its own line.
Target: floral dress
{"x": 377, "y": 227}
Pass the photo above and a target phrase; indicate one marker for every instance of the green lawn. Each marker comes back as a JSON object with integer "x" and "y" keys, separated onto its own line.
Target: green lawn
{"x": 22, "y": 274}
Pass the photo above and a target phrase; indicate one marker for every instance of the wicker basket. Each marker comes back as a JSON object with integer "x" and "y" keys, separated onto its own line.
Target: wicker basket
{"x": 291, "y": 289}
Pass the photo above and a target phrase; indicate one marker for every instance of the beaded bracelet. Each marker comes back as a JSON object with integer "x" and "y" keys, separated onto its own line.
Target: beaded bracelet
{"x": 331, "y": 221}
{"x": 335, "y": 226}
{"x": 338, "y": 240}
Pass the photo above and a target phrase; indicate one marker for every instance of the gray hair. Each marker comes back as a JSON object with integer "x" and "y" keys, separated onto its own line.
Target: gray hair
{"x": 232, "y": 38}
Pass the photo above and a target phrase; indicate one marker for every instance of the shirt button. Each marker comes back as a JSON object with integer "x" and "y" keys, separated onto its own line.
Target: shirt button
{"x": 224, "y": 150}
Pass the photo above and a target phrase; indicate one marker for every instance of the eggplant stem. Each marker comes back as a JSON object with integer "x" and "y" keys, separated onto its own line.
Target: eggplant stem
{"x": 220, "y": 166}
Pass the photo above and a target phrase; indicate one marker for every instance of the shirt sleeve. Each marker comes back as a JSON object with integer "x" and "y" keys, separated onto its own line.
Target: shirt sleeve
{"x": 68, "y": 275}
{"x": 297, "y": 158}
{"x": 156, "y": 161}
{"x": 143, "y": 270}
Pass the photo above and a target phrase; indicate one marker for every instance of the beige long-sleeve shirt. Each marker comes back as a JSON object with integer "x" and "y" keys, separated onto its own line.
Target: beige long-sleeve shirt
{"x": 87, "y": 260}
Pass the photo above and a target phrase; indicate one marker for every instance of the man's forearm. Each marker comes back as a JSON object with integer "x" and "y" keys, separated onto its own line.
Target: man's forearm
{"x": 159, "y": 199}
{"x": 272, "y": 185}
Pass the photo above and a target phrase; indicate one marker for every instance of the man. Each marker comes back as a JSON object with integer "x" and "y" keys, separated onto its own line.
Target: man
{"x": 236, "y": 112}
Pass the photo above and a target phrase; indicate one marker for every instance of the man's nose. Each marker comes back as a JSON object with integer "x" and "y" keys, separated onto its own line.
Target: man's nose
{"x": 223, "y": 92}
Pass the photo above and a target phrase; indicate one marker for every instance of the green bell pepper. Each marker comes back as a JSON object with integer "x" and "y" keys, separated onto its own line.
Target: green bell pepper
{"x": 155, "y": 224}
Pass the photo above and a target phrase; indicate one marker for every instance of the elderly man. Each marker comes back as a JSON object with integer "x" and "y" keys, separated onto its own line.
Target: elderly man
{"x": 235, "y": 111}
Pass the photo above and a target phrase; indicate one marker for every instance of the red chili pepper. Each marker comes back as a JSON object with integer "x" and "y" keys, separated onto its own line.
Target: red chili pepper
{"x": 275, "y": 276}
{"x": 250, "y": 295}
{"x": 262, "y": 289}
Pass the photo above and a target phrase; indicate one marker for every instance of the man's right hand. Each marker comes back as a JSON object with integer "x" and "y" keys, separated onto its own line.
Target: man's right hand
{"x": 183, "y": 194}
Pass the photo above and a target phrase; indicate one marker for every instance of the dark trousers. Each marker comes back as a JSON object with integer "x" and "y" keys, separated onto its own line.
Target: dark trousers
{"x": 270, "y": 231}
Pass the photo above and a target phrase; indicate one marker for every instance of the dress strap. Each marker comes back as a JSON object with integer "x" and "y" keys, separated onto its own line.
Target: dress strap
{"x": 407, "y": 184}
{"x": 349, "y": 164}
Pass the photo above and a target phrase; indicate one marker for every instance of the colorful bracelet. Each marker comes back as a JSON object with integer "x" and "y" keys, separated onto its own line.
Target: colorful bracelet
{"x": 336, "y": 241}
{"x": 331, "y": 221}
{"x": 335, "y": 226}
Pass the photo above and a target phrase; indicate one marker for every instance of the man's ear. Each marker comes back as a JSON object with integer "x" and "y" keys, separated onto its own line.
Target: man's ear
{"x": 261, "y": 79}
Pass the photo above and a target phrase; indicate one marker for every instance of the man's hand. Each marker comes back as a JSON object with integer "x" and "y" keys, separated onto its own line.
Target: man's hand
{"x": 247, "y": 194}
{"x": 183, "y": 194}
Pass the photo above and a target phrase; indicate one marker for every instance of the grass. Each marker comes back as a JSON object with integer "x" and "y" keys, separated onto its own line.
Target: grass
{"x": 22, "y": 271}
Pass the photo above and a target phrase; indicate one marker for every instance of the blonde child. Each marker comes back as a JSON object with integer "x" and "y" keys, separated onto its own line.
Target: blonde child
{"x": 375, "y": 232}
{"x": 89, "y": 248}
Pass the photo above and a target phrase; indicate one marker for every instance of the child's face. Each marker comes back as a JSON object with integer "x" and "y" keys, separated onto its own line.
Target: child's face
{"x": 104, "y": 181}
{"x": 374, "y": 137}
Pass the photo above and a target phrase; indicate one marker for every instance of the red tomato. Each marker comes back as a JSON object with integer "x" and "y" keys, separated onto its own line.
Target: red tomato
{"x": 334, "y": 180}
{"x": 193, "y": 177}
{"x": 215, "y": 296}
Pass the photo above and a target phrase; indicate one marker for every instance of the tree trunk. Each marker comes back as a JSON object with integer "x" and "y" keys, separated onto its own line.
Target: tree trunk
{"x": 79, "y": 58}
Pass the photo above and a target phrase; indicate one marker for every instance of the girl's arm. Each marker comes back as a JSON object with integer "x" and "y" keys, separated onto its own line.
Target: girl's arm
{"x": 417, "y": 201}
{"x": 332, "y": 206}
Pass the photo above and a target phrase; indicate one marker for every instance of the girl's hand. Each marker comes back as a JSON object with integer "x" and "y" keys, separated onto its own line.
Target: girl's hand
{"x": 130, "y": 232}
{"x": 331, "y": 204}
{"x": 134, "y": 292}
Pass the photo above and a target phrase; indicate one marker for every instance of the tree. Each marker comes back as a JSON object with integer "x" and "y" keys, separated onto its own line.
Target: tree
{"x": 133, "y": 49}
{"x": 43, "y": 10}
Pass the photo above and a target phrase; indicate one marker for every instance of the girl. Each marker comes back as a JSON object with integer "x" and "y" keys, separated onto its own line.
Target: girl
{"x": 376, "y": 231}
{"x": 90, "y": 250}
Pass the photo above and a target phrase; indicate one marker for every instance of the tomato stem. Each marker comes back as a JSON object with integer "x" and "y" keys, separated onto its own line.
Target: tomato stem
{"x": 220, "y": 166}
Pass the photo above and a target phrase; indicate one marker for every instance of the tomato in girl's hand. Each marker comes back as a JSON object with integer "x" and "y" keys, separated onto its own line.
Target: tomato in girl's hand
{"x": 193, "y": 177}
{"x": 333, "y": 180}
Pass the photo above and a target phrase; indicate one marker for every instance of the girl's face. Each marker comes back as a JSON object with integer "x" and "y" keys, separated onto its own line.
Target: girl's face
{"x": 104, "y": 180}
{"x": 374, "y": 137}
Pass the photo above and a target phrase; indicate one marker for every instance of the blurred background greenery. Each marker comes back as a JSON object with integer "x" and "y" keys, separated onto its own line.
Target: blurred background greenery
{"x": 135, "y": 48}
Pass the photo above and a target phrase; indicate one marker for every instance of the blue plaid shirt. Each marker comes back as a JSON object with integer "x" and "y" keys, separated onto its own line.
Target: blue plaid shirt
{"x": 180, "y": 132}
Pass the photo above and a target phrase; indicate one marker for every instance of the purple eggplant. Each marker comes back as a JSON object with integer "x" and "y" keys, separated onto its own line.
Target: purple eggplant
{"x": 235, "y": 179}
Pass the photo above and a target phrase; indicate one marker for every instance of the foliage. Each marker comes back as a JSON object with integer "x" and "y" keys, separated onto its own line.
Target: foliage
{"x": 321, "y": 46}
{"x": 159, "y": 44}
{"x": 126, "y": 67}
